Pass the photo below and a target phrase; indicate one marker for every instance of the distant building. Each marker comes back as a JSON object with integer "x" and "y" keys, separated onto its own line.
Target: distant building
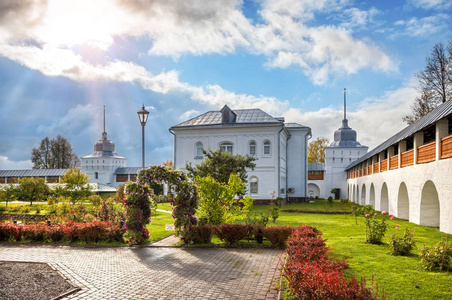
{"x": 280, "y": 148}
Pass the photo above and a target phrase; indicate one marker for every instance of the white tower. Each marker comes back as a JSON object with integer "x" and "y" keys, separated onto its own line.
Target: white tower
{"x": 343, "y": 151}
{"x": 103, "y": 162}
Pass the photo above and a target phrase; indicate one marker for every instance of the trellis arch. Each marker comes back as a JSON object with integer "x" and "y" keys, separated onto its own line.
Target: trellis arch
{"x": 136, "y": 201}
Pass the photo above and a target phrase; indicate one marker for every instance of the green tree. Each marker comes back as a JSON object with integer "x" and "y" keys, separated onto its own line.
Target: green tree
{"x": 54, "y": 154}
{"x": 216, "y": 200}
{"x": 316, "y": 150}
{"x": 9, "y": 193}
{"x": 75, "y": 183}
{"x": 219, "y": 165}
{"x": 33, "y": 189}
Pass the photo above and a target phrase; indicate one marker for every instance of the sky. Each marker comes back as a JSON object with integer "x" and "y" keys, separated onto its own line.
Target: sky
{"x": 62, "y": 61}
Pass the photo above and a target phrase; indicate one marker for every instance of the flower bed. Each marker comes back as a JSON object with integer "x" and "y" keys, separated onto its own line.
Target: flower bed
{"x": 312, "y": 275}
{"x": 71, "y": 232}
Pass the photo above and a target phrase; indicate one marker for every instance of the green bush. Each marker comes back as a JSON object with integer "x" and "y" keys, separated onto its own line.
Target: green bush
{"x": 95, "y": 200}
{"x": 25, "y": 209}
{"x": 375, "y": 228}
{"x": 436, "y": 259}
{"x": 330, "y": 201}
{"x": 51, "y": 200}
{"x": 402, "y": 246}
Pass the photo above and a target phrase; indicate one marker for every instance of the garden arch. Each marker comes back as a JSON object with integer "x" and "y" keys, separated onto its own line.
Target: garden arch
{"x": 384, "y": 198}
{"x": 430, "y": 211}
{"x": 403, "y": 203}
{"x": 363, "y": 195}
{"x": 372, "y": 196}
{"x": 138, "y": 206}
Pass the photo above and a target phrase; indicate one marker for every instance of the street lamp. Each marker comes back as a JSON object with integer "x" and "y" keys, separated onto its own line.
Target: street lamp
{"x": 143, "y": 116}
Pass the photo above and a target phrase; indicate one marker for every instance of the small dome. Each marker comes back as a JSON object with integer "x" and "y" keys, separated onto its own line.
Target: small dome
{"x": 345, "y": 136}
{"x": 104, "y": 144}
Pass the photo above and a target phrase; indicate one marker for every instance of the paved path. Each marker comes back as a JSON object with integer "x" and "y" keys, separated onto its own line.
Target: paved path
{"x": 158, "y": 273}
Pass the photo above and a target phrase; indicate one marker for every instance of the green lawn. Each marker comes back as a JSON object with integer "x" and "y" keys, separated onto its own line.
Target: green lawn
{"x": 157, "y": 225}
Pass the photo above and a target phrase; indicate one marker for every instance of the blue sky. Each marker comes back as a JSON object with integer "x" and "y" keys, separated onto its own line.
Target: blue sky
{"x": 61, "y": 61}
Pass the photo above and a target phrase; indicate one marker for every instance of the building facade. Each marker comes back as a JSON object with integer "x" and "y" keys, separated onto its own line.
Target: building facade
{"x": 280, "y": 148}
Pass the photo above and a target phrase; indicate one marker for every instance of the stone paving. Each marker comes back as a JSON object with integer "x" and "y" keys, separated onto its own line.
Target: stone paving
{"x": 158, "y": 272}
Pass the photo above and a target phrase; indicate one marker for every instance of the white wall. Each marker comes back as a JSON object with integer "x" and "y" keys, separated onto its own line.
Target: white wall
{"x": 297, "y": 162}
{"x": 105, "y": 167}
{"x": 266, "y": 169}
{"x": 422, "y": 182}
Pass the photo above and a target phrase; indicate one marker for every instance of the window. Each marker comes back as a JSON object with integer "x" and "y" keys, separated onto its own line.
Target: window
{"x": 96, "y": 175}
{"x": 253, "y": 185}
{"x": 198, "y": 150}
{"x": 227, "y": 146}
{"x": 267, "y": 148}
{"x": 252, "y": 151}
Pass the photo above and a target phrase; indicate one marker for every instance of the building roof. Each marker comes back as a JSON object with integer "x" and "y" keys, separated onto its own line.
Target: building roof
{"x": 32, "y": 173}
{"x": 243, "y": 117}
{"x": 316, "y": 167}
{"x": 127, "y": 171}
{"x": 442, "y": 111}
{"x": 345, "y": 137}
{"x": 294, "y": 126}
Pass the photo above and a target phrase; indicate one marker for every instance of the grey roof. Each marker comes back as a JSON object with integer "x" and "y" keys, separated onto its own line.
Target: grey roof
{"x": 245, "y": 117}
{"x": 345, "y": 137}
{"x": 316, "y": 167}
{"x": 127, "y": 170}
{"x": 294, "y": 126}
{"x": 109, "y": 154}
{"x": 32, "y": 172}
{"x": 442, "y": 111}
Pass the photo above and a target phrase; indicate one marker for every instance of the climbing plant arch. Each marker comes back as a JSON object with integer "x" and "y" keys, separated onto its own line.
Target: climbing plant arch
{"x": 138, "y": 212}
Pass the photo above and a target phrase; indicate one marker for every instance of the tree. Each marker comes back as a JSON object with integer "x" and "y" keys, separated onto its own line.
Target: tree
{"x": 422, "y": 105}
{"x": 435, "y": 82}
{"x": 316, "y": 150}
{"x": 75, "y": 183}
{"x": 54, "y": 154}
{"x": 33, "y": 189}
{"x": 8, "y": 193}
{"x": 216, "y": 200}
{"x": 220, "y": 165}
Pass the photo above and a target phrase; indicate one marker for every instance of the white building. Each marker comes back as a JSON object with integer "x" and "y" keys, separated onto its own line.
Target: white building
{"x": 280, "y": 148}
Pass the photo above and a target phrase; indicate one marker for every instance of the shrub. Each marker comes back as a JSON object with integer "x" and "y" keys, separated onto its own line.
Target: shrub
{"x": 258, "y": 234}
{"x": 312, "y": 275}
{"x": 52, "y": 200}
{"x": 402, "y": 246}
{"x": 95, "y": 200}
{"x": 34, "y": 232}
{"x": 25, "y": 209}
{"x": 198, "y": 235}
{"x": 330, "y": 201}
{"x": 438, "y": 258}
{"x": 10, "y": 230}
{"x": 277, "y": 235}
{"x": 232, "y": 233}
{"x": 375, "y": 227}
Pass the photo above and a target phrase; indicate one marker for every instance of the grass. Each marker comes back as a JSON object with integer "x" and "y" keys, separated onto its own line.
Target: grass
{"x": 402, "y": 277}
{"x": 156, "y": 227}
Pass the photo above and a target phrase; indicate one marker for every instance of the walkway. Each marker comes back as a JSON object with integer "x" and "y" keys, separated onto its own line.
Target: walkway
{"x": 157, "y": 272}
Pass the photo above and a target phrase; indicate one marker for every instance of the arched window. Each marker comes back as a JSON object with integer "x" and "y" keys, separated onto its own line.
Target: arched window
{"x": 96, "y": 175}
{"x": 267, "y": 148}
{"x": 253, "y": 185}
{"x": 198, "y": 150}
{"x": 227, "y": 146}
{"x": 252, "y": 151}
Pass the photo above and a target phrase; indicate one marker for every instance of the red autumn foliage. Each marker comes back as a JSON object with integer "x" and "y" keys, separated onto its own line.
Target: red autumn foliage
{"x": 277, "y": 235}
{"x": 312, "y": 275}
{"x": 232, "y": 233}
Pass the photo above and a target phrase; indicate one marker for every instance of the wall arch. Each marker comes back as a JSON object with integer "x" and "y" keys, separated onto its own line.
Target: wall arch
{"x": 430, "y": 210}
{"x": 372, "y": 196}
{"x": 357, "y": 194}
{"x": 313, "y": 190}
{"x": 403, "y": 202}
{"x": 384, "y": 198}
{"x": 362, "y": 200}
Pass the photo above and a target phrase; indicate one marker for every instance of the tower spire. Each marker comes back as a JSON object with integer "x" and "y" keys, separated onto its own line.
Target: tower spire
{"x": 104, "y": 118}
{"x": 345, "y": 106}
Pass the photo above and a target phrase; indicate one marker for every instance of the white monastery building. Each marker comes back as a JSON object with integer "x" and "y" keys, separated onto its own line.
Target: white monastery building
{"x": 280, "y": 148}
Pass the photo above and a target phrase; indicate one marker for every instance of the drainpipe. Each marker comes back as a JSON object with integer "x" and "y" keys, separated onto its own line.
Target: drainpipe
{"x": 174, "y": 164}
{"x": 307, "y": 137}
{"x": 287, "y": 165}
{"x": 279, "y": 162}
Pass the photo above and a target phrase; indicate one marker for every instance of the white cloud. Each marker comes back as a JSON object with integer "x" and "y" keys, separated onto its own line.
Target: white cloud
{"x": 432, "y": 4}
{"x": 424, "y": 26}
{"x": 188, "y": 115}
{"x": 356, "y": 17}
{"x": 6, "y": 164}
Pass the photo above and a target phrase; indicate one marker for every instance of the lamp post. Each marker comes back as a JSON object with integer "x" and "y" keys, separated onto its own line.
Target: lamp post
{"x": 143, "y": 116}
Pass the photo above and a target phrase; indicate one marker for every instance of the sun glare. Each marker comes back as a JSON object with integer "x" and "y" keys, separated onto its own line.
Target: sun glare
{"x": 80, "y": 22}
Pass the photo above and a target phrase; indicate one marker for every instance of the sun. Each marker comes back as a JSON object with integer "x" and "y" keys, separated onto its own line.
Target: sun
{"x": 80, "y": 22}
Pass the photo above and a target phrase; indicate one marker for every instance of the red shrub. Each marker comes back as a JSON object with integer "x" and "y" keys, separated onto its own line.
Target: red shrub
{"x": 277, "y": 235}
{"x": 312, "y": 275}
{"x": 232, "y": 233}
{"x": 198, "y": 235}
{"x": 55, "y": 232}
{"x": 34, "y": 232}
{"x": 10, "y": 230}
